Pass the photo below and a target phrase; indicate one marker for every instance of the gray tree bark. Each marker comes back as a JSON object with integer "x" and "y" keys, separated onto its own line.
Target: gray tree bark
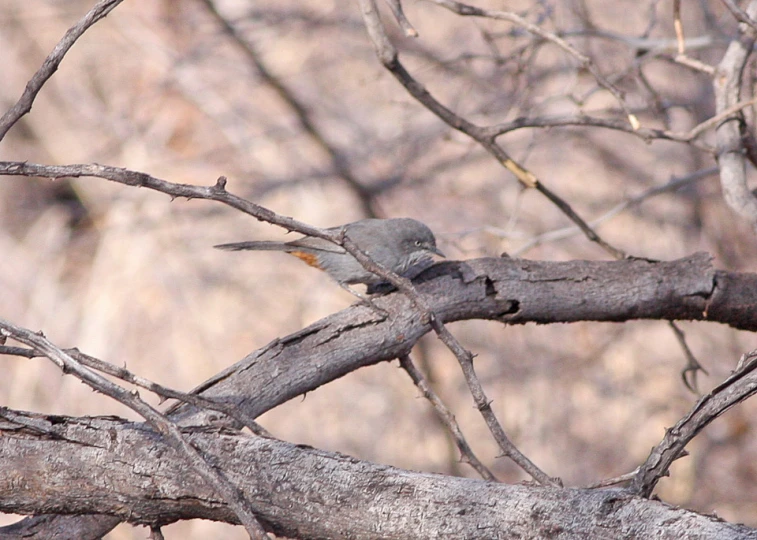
{"x": 86, "y": 465}
{"x": 126, "y": 471}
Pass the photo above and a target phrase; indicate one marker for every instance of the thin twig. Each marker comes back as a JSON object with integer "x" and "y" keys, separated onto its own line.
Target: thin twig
{"x": 51, "y": 63}
{"x": 233, "y": 497}
{"x": 613, "y": 481}
{"x": 464, "y": 358}
{"x": 160, "y": 390}
{"x": 739, "y": 14}
{"x": 713, "y": 121}
{"x": 388, "y": 56}
{"x": 399, "y": 14}
{"x": 585, "y": 62}
{"x": 646, "y": 134}
{"x": 132, "y": 178}
{"x": 567, "y": 232}
{"x": 678, "y": 26}
{"x": 695, "y": 64}
{"x": 446, "y": 417}
{"x": 692, "y": 366}
{"x": 681, "y": 57}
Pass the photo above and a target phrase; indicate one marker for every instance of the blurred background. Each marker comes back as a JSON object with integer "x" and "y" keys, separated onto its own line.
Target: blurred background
{"x": 130, "y": 276}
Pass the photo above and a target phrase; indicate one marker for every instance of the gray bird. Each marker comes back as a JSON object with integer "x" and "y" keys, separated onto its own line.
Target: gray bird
{"x": 398, "y": 244}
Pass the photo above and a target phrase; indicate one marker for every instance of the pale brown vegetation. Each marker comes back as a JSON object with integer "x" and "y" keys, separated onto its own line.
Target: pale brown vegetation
{"x": 129, "y": 276}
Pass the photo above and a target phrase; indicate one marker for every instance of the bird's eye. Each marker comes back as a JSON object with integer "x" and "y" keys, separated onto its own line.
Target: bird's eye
{"x": 418, "y": 243}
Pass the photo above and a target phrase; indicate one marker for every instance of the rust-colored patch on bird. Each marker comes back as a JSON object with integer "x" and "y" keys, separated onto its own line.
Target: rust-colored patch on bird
{"x": 308, "y": 258}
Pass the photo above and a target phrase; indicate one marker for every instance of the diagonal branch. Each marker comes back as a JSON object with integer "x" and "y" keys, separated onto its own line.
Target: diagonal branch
{"x": 51, "y": 63}
{"x": 446, "y": 417}
{"x": 739, "y": 14}
{"x": 585, "y": 62}
{"x": 388, "y": 56}
{"x": 567, "y": 232}
{"x": 169, "y": 430}
{"x": 164, "y": 392}
{"x": 464, "y": 358}
{"x": 735, "y": 389}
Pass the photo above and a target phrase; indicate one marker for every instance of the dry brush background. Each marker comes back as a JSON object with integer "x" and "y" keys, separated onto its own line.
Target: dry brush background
{"x": 130, "y": 277}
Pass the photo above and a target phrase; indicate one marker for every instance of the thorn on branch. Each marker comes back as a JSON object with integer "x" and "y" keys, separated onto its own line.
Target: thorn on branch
{"x": 484, "y": 406}
{"x": 220, "y": 184}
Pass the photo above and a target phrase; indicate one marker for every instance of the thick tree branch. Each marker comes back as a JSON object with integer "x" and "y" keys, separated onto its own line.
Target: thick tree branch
{"x": 187, "y": 453}
{"x": 302, "y": 492}
{"x": 508, "y": 290}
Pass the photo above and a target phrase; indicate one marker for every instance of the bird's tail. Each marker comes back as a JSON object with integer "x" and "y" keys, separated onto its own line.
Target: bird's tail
{"x": 262, "y": 245}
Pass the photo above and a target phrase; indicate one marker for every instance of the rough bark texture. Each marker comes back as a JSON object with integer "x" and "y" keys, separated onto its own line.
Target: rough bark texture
{"x": 514, "y": 291}
{"x": 730, "y": 134}
{"x": 126, "y": 470}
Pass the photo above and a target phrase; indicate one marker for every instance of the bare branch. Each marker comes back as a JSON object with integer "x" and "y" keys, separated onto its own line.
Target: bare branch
{"x": 128, "y": 177}
{"x": 160, "y": 390}
{"x": 567, "y": 232}
{"x": 446, "y": 417}
{"x": 219, "y": 193}
{"x": 584, "y": 61}
{"x": 681, "y": 57}
{"x": 51, "y": 63}
{"x": 692, "y": 364}
{"x": 300, "y": 485}
{"x": 614, "y": 481}
{"x": 737, "y": 388}
{"x": 464, "y": 357}
{"x": 731, "y": 154}
{"x": 387, "y": 54}
{"x": 169, "y": 430}
{"x": 399, "y": 14}
{"x": 740, "y": 15}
